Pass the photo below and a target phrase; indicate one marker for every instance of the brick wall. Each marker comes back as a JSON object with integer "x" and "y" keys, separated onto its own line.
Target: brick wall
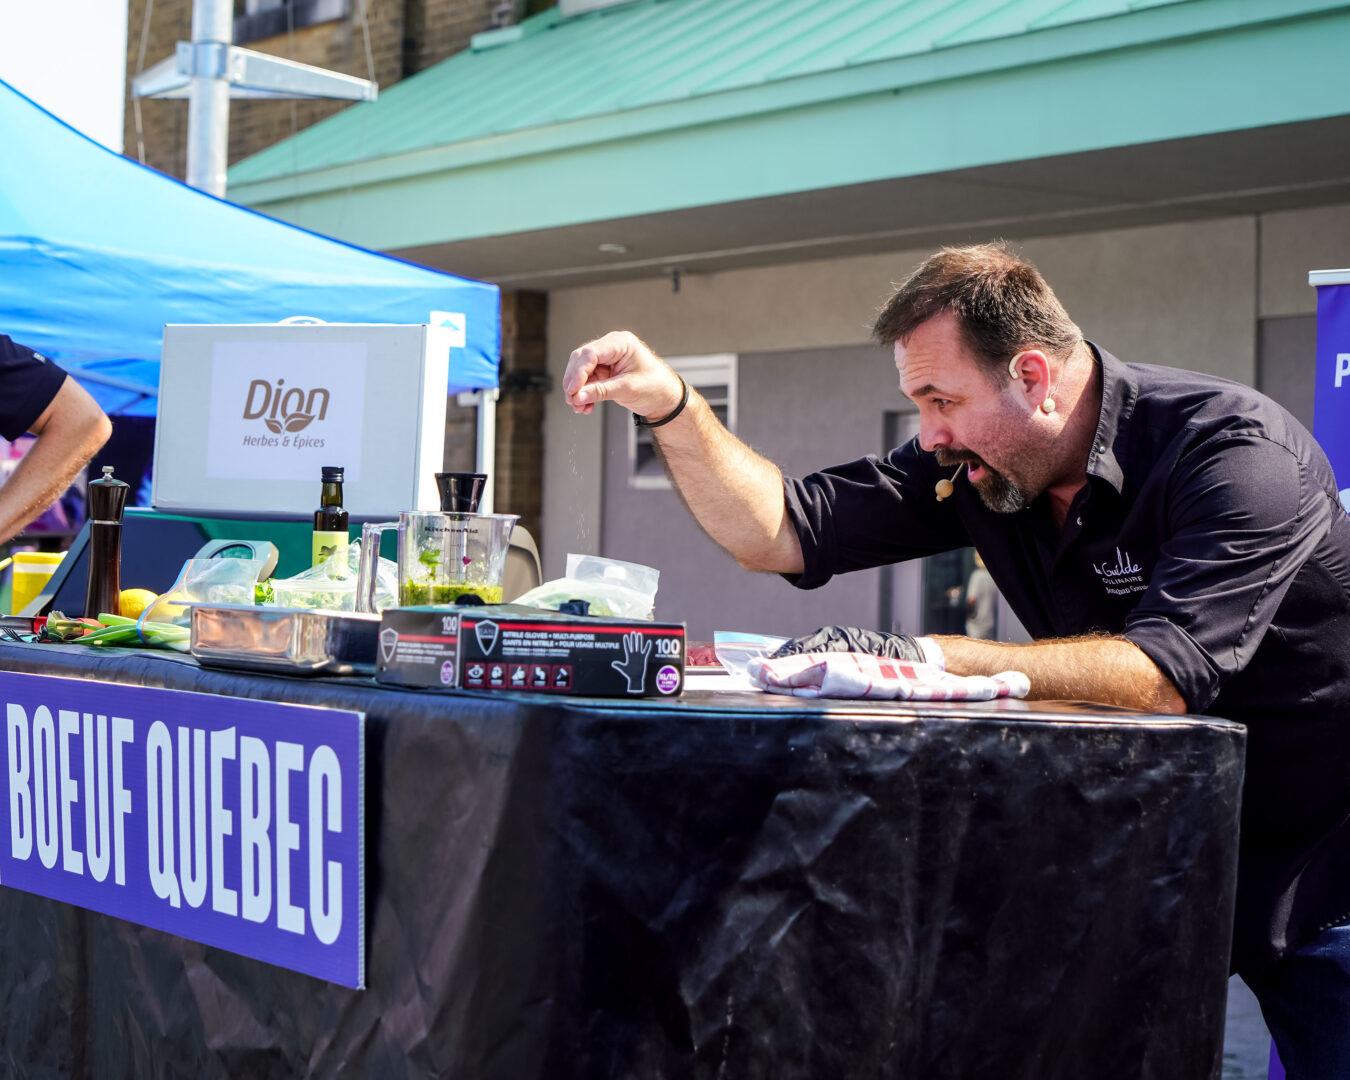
{"x": 337, "y": 46}
{"x": 461, "y": 439}
{"x": 435, "y": 29}
{"x": 406, "y": 36}
{"x": 519, "y": 477}
{"x": 520, "y": 409}
{"x": 161, "y": 138}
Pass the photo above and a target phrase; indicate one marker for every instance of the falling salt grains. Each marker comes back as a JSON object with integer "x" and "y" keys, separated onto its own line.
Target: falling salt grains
{"x": 583, "y": 530}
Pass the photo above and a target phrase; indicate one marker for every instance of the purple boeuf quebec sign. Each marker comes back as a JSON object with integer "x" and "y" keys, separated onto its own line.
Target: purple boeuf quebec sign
{"x": 1331, "y": 402}
{"x": 232, "y": 822}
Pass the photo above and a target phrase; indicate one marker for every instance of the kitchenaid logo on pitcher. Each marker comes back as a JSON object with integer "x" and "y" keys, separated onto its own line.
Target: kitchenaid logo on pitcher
{"x": 277, "y": 408}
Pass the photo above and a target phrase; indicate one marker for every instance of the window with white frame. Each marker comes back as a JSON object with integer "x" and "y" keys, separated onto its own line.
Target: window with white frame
{"x": 712, "y": 376}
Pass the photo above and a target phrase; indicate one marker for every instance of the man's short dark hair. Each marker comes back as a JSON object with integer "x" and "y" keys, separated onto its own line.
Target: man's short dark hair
{"x": 1001, "y": 303}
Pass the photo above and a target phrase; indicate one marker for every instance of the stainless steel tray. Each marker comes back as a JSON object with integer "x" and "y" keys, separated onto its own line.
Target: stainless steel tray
{"x": 296, "y": 641}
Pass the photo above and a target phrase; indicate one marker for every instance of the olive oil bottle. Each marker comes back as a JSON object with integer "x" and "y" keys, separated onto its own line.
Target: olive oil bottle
{"x": 330, "y": 520}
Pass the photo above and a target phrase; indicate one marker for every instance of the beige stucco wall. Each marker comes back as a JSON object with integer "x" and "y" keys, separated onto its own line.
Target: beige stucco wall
{"x": 782, "y": 307}
{"x": 1182, "y": 294}
{"x": 1294, "y": 242}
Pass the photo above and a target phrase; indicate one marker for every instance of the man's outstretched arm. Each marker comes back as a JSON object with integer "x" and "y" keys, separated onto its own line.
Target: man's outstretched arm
{"x": 735, "y": 494}
{"x": 1109, "y": 670}
{"x": 69, "y": 432}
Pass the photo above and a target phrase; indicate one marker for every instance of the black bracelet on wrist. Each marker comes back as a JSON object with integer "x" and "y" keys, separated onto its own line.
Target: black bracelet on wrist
{"x": 642, "y": 421}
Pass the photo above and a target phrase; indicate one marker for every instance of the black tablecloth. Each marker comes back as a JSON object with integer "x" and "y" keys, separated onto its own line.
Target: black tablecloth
{"x": 722, "y": 886}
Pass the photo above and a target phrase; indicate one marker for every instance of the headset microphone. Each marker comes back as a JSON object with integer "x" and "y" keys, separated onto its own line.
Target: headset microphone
{"x": 944, "y": 488}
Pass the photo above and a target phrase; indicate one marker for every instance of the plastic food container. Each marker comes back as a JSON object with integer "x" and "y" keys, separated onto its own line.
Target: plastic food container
{"x": 31, "y": 570}
{"x": 298, "y": 642}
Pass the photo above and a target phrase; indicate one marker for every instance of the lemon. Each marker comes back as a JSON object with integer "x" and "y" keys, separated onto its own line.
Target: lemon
{"x": 131, "y": 602}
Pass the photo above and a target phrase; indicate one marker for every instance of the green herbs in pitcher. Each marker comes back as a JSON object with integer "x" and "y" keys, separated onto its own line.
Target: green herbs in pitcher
{"x": 430, "y": 590}
{"x": 412, "y": 594}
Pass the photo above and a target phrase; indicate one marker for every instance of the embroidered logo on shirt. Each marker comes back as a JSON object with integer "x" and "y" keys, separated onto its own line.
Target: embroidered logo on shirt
{"x": 1122, "y": 579}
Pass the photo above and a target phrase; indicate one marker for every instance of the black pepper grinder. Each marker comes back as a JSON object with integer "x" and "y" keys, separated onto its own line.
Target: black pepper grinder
{"x": 106, "y": 500}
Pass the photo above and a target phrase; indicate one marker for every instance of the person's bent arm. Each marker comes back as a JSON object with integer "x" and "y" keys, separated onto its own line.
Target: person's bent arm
{"x": 70, "y": 431}
{"x": 1109, "y": 670}
{"x": 735, "y": 494}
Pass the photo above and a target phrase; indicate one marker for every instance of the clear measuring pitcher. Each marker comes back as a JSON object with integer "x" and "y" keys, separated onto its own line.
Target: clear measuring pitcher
{"x": 441, "y": 557}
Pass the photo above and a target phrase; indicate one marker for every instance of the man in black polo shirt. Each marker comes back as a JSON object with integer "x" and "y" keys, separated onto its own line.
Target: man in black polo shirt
{"x": 38, "y": 398}
{"x": 1174, "y": 542}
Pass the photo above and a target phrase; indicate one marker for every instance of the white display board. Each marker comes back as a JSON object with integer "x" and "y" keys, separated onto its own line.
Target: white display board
{"x": 250, "y": 414}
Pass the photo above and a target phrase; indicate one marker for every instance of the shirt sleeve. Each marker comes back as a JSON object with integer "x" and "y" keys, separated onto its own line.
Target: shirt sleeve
{"x": 868, "y": 513}
{"x": 28, "y": 383}
{"x": 1245, "y": 514}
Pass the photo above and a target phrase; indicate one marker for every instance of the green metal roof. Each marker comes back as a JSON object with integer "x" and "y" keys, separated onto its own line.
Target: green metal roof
{"x": 555, "y": 71}
{"x": 636, "y": 100}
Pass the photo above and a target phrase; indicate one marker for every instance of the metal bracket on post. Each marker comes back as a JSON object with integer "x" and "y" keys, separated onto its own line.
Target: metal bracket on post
{"x": 250, "y": 75}
{"x": 209, "y": 71}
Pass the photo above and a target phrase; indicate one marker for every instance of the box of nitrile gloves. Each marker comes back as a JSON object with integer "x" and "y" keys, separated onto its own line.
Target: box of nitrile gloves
{"x": 508, "y": 647}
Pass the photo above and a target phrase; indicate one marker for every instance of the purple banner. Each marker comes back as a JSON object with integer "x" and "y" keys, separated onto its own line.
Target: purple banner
{"x": 1331, "y": 405}
{"x": 232, "y": 822}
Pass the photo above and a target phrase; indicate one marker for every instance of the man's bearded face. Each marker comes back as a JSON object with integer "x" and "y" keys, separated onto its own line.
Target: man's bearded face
{"x": 996, "y": 491}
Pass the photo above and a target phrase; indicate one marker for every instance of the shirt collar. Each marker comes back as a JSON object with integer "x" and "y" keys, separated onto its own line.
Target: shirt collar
{"x": 1120, "y": 390}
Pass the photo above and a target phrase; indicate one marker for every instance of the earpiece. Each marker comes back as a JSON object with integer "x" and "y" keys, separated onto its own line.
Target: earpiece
{"x": 944, "y": 488}
{"x": 1048, "y": 405}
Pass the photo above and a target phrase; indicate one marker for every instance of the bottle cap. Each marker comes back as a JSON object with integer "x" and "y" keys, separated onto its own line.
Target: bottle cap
{"x": 332, "y": 474}
{"x": 107, "y": 497}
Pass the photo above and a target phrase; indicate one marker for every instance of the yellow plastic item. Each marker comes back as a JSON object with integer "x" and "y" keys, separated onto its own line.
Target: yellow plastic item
{"x": 31, "y": 571}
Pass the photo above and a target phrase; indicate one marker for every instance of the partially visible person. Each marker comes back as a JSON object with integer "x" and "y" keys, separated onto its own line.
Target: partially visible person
{"x": 39, "y": 398}
{"x": 981, "y": 603}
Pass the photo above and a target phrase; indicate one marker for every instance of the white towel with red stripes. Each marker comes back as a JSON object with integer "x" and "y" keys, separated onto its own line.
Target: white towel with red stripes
{"x": 857, "y": 675}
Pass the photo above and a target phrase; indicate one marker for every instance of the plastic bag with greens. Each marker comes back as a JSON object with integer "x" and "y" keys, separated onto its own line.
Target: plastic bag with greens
{"x": 610, "y": 588}
{"x": 205, "y": 581}
{"x": 331, "y": 584}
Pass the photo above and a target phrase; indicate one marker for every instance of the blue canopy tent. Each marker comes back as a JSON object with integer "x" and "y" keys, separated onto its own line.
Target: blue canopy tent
{"x": 98, "y": 252}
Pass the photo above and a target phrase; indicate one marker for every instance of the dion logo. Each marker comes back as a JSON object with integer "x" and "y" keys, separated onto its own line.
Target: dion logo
{"x": 284, "y": 408}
